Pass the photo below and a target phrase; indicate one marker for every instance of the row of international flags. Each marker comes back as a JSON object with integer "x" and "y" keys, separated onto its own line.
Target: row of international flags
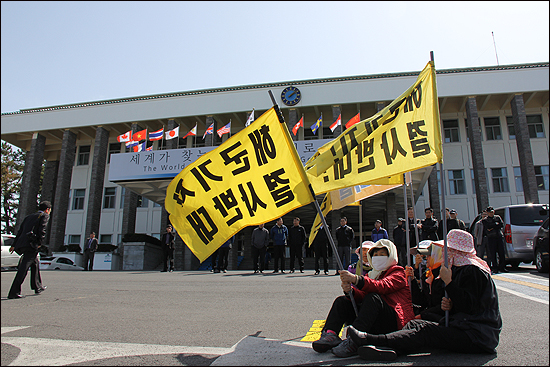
{"x": 134, "y": 140}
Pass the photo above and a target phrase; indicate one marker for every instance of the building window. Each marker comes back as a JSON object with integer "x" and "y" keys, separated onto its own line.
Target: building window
{"x": 142, "y": 202}
{"x": 83, "y": 155}
{"x": 74, "y": 239}
{"x": 492, "y": 128}
{"x": 467, "y": 133}
{"x": 541, "y": 173}
{"x": 78, "y": 199}
{"x": 474, "y": 182}
{"x": 106, "y": 238}
{"x": 456, "y": 182}
{"x": 511, "y": 128}
{"x": 450, "y": 128}
{"x": 114, "y": 148}
{"x": 535, "y": 126}
{"x": 109, "y": 198}
{"x": 156, "y": 235}
{"x": 517, "y": 179}
{"x": 500, "y": 180}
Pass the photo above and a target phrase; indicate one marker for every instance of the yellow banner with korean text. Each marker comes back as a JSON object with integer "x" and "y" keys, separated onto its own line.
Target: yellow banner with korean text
{"x": 403, "y": 136}
{"x": 254, "y": 177}
{"x": 326, "y": 207}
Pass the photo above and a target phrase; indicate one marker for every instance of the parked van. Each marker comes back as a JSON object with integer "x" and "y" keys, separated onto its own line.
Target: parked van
{"x": 521, "y": 223}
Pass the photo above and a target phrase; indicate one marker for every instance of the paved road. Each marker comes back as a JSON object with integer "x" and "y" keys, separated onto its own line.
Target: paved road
{"x": 238, "y": 318}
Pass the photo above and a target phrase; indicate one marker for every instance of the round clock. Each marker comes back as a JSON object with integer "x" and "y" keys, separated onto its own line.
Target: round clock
{"x": 291, "y": 96}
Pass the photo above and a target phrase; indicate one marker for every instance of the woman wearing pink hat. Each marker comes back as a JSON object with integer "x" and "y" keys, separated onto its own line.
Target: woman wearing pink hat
{"x": 474, "y": 316}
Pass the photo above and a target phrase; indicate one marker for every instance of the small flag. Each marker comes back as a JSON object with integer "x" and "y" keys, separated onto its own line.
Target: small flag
{"x": 150, "y": 148}
{"x": 210, "y": 130}
{"x": 251, "y": 119}
{"x": 156, "y": 135}
{"x": 298, "y": 125}
{"x": 191, "y": 132}
{"x": 355, "y": 119}
{"x": 124, "y": 137}
{"x": 131, "y": 144}
{"x": 140, "y": 147}
{"x": 224, "y": 130}
{"x": 140, "y": 135}
{"x": 317, "y": 124}
{"x": 336, "y": 123}
{"x": 174, "y": 133}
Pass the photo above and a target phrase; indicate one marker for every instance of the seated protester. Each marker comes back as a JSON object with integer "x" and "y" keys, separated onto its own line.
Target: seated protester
{"x": 474, "y": 316}
{"x": 383, "y": 299}
{"x": 366, "y": 267}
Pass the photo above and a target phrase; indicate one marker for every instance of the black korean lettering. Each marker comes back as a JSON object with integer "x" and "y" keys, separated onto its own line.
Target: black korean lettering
{"x": 150, "y": 158}
{"x": 395, "y": 111}
{"x": 364, "y": 152}
{"x": 135, "y": 159}
{"x": 353, "y": 141}
{"x": 253, "y": 201}
{"x": 180, "y": 193}
{"x": 372, "y": 125}
{"x": 206, "y": 234}
{"x": 415, "y": 97}
{"x": 340, "y": 169}
{"x": 204, "y": 170}
{"x": 281, "y": 195}
{"x": 186, "y": 156}
{"x": 264, "y": 146}
{"x": 396, "y": 146}
{"x": 164, "y": 156}
{"x": 236, "y": 158}
{"x": 420, "y": 146}
{"x": 225, "y": 202}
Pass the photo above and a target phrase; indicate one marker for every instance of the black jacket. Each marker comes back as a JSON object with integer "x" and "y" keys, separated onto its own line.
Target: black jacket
{"x": 36, "y": 223}
{"x": 429, "y": 229}
{"x": 344, "y": 236}
{"x": 171, "y": 244}
{"x": 296, "y": 236}
{"x": 93, "y": 245}
{"x": 495, "y": 225}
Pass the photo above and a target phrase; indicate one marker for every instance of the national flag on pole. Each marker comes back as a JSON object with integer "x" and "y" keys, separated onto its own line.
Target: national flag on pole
{"x": 150, "y": 148}
{"x": 224, "y": 130}
{"x": 317, "y": 124}
{"x": 191, "y": 132}
{"x": 250, "y": 118}
{"x": 131, "y": 144}
{"x": 208, "y": 131}
{"x": 124, "y": 137}
{"x": 174, "y": 133}
{"x": 355, "y": 119}
{"x": 298, "y": 125}
{"x": 140, "y": 135}
{"x": 156, "y": 135}
{"x": 140, "y": 147}
{"x": 336, "y": 123}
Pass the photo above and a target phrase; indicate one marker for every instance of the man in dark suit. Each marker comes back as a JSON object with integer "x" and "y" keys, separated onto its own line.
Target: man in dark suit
{"x": 29, "y": 238}
{"x": 89, "y": 252}
{"x": 168, "y": 246}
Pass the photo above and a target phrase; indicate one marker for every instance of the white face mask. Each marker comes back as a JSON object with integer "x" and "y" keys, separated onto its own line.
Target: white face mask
{"x": 379, "y": 262}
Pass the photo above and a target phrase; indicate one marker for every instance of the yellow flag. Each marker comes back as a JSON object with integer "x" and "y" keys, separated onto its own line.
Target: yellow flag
{"x": 402, "y": 137}
{"x": 326, "y": 207}
{"x": 254, "y": 177}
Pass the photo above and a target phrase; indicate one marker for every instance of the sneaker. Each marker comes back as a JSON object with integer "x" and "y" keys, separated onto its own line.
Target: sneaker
{"x": 345, "y": 349}
{"x": 326, "y": 342}
{"x": 372, "y": 353}
{"x": 316, "y": 272}
{"x": 225, "y": 271}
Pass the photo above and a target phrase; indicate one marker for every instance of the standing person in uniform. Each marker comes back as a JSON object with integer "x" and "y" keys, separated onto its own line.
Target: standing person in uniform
{"x": 29, "y": 238}
{"x": 223, "y": 253}
{"x": 260, "y": 240}
{"x": 481, "y": 238}
{"x": 492, "y": 227}
{"x": 378, "y": 232}
{"x": 279, "y": 235}
{"x": 320, "y": 247}
{"x": 168, "y": 247}
{"x": 296, "y": 240}
{"x": 399, "y": 241}
{"x": 412, "y": 223}
{"x": 344, "y": 236}
{"x": 454, "y": 222}
{"x": 429, "y": 226}
{"x": 89, "y": 252}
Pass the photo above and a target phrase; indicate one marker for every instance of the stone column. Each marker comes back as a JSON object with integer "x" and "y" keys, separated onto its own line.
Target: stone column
{"x": 433, "y": 190}
{"x": 209, "y": 139}
{"x": 336, "y": 111}
{"x": 95, "y": 195}
{"x": 476, "y": 148}
{"x": 31, "y": 179}
{"x": 62, "y": 190}
{"x": 293, "y": 120}
{"x": 49, "y": 183}
{"x": 525, "y": 155}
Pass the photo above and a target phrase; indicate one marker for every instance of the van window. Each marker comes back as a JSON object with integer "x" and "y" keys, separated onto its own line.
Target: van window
{"x": 528, "y": 215}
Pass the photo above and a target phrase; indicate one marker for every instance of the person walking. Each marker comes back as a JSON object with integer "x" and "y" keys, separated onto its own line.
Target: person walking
{"x": 223, "y": 255}
{"x": 89, "y": 252}
{"x": 378, "y": 232}
{"x": 320, "y": 247}
{"x": 296, "y": 241}
{"x": 492, "y": 228}
{"x": 168, "y": 247}
{"x": 429, "y": 226}
{"x": 279, "y": 235}
{"x": 27, "y": 242}
{"x": 344, "y": 236}
{"x": 260, "y": 240}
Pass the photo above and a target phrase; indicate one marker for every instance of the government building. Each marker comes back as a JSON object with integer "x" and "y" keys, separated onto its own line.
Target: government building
{"x": 494, "y": 123}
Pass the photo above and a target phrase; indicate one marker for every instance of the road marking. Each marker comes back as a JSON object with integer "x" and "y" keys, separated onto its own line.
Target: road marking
{"x": 522, "y": 295}
{"x": 8, "y": 329}
{"x": 521, "y": 282}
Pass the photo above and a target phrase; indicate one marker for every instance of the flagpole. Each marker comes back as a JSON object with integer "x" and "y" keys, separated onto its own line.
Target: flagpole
{"x": 317, "y": 207}
{"x": 360, "y": 240}
{"x": 416, "y": 231}
{"x": 407, "y": 239}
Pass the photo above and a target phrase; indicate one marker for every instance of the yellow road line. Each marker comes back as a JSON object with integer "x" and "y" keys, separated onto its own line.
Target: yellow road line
{"x": 521, "y": 282}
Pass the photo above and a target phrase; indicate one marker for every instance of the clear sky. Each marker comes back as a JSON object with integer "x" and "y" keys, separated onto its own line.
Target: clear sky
{"x": 67, "y": 52}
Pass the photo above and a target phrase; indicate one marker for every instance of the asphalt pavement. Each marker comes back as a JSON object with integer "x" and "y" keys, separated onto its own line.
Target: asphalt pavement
{"x": 133, "y": 318}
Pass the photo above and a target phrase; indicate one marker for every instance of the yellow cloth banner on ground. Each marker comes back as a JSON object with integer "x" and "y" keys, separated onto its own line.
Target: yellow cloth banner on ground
{"x": 404, "y": 136}
{"x": 254, "y": 177}
{"x": 326, "y": 207}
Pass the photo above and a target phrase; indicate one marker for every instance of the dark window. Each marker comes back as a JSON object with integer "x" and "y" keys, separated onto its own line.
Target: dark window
{"x": 114, "y": 148}
{"x": 528, "y": 215}
{"x": 492, "y": 128}
{"x": 109, "y": 198}
{"x": 500, "y": 180}
{"x": 83, "y": 155}
{"x": 542, "y": 176}
{"x": 535, "y": 126}
{"x": 78, "y": 199}
{"x": 450, "y": 128}
{"x": 456, "y": 182}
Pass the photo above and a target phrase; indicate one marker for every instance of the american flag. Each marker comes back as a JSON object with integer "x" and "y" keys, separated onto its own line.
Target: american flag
{"x": 210, "y": 130}
{"x": 224, "y": 130}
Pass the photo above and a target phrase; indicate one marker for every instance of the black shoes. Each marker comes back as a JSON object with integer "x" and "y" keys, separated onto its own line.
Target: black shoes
{"x": 38, "y": 291}
{"x": 326, "y": 342}
{"x": 372, "y": 353}
{"x": 292, "y": 271}
{"x": 317, "y": 272}
{"x": 326, "y": 272}
{"x": 163, "y": 271}
{"x": 301, "y": 270}
{"x": 15, "y": 296}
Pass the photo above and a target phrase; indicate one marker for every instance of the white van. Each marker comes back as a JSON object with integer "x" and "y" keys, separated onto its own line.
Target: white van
{"x": 521, "y": 223}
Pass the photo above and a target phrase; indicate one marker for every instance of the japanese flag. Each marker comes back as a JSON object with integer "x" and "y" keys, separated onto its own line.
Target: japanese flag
{"x": 173, "y": 133}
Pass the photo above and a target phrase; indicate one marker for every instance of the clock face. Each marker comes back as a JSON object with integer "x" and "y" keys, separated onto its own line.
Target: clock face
{"x": 291, "y": 96}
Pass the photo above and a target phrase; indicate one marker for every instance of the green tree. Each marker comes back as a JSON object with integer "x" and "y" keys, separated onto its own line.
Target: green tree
{"x": 13, "y": 163}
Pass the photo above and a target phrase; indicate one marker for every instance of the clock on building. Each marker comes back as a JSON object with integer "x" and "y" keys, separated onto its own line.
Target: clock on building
{"x": 291, "y": 96}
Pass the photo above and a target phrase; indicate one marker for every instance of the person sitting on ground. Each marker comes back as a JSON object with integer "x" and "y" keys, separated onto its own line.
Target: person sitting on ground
{"x": 366, "y": 267}
{"x": 474, "y": 318}
{"x": 383, "y": 299}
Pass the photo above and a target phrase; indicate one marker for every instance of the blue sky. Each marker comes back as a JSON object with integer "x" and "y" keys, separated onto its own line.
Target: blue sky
{"x": 67, "y": 52}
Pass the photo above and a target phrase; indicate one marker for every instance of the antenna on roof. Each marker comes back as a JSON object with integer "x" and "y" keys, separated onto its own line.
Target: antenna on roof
{"x": 495, "y": 48}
